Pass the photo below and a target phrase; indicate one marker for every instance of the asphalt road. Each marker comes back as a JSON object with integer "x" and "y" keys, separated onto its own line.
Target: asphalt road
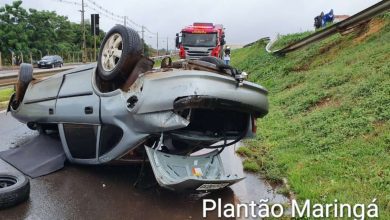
{"x": 107, "y": 192}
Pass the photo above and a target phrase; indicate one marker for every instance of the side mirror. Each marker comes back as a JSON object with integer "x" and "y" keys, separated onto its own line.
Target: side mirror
{"x": 223, "y": 42}
{"x": 177, "y": 42}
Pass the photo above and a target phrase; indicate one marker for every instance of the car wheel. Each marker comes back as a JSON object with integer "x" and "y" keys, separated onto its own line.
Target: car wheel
{"x": 120, "y": 51}
{"x": 61, "y": 65}
{"x": 24, "y": 78}
{"x": 14, "y": 189}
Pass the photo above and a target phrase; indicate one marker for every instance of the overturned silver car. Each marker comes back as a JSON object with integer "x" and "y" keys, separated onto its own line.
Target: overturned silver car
{"x": 121, "y": 109}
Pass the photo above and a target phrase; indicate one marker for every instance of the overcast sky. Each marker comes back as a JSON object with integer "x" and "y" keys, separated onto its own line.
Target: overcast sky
{"x": 245, "y": 20}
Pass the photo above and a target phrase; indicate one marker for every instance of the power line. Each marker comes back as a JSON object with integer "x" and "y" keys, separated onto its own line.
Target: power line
{"x": 116, "y": 17}
{"x": 109, "y": 14}
{"x": 150, "y": 31}
{"x": 134, "y": 23}
{"x": 70, "y": 2}
{"x": 105, "y": 10}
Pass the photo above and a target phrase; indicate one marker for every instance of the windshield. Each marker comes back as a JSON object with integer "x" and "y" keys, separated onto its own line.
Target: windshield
{"x": 199, "y": 40}
{"x": 47, "y": 58}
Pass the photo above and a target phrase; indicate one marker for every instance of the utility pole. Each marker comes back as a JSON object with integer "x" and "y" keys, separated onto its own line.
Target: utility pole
{"x": 143, "y": 42}
{"x": 124, "y": 20}
{"x": 157, "y": 45}
{"x": 83, "y": 26}
{"x": 95, "y": 31}
{"x": 94, "y": 44}
{"x": 167, "y": 45}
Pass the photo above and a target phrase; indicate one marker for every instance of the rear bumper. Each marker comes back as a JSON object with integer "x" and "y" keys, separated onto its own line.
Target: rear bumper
{"x": 177, "y": 89}
{"x": 207, "y": 102}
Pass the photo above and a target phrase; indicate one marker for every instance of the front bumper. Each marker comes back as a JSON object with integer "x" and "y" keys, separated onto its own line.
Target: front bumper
{"x": 45, "y": 65}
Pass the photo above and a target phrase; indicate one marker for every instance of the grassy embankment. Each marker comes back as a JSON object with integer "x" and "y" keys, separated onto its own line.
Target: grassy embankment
{"x": 328, "y": 127}
{"x": 4, "y": 97}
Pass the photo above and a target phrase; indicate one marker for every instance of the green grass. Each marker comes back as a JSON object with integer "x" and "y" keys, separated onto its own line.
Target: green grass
{"x": 157, "y": 63}
{"x": 328, "y": 129}
{"x": 4, "y": 97}
{"x": 5, "y": 94}
{"x": 251, "y": 166}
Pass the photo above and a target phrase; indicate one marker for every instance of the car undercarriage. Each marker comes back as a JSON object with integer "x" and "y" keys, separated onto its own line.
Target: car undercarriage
{"x": 168, "y": 113}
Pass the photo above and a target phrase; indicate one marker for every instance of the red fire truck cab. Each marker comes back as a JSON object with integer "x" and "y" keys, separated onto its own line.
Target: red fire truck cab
{"x": 201, "y": 39}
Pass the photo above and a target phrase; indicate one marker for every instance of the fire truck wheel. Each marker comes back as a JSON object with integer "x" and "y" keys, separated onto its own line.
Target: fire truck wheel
{"x": 119, "y": 52}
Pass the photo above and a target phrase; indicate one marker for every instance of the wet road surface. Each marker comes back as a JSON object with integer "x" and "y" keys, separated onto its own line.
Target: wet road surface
{"x": 107, "y": 192}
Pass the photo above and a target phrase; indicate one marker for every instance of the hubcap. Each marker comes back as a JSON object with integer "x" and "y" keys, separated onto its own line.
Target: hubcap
{"x": 6, "y": 182}
{"x": 112, "y": 52}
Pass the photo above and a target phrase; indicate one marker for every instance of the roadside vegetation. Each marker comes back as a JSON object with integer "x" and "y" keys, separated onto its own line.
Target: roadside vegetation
{"x": 4, "y": 97}
{"x": 38, "y": 33}
{"x": 26, "y": 31}
{"x": 328, "y": 127}
{"x": 157, "y": 63}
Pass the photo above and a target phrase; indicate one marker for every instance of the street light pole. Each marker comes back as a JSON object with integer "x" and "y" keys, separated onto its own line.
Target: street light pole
{"x": 83, "y": 26}
{"x": 167, "y": 45}
{"x": 157, "y": 45}
{"x": 143, "y": 41}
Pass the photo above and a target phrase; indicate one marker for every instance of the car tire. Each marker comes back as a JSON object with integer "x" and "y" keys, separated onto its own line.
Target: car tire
{"x": 213, "y": 60}
{"x": 14, "y": 189}
{"x": 25, "y": 76}
{"x": 120, "y": 51}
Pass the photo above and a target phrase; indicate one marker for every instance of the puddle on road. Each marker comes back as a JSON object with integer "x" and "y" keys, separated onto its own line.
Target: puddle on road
{"x": 107, "y": 192}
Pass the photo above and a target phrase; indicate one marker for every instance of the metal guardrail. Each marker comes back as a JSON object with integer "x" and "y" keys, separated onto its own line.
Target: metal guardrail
{"x": 341, "y": 26}
{"x": 264, "y": 39}
{"x": 11, "y": 79}
{"x": 159, "y": 57}
{"x": 163, "y": 56}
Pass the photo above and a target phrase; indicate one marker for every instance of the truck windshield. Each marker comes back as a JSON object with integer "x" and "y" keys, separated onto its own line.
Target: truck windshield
{"x": 199, "y": 40}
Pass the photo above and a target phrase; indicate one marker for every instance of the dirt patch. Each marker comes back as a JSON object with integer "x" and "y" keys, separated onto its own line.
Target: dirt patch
{"x": 379, "y": 124}
{"x": 379, "y": 127}
{"x": 302, "y": 68}
{"x": 292, "y": 86}
{"x": 328, "y": 47}
{"x": 3, "y": 105}
{"x": 324, "y": 103}
{"x": 374, "y": 26}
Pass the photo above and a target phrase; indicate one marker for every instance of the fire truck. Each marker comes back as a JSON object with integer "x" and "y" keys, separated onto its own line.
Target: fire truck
{"x": 201, "y": 39}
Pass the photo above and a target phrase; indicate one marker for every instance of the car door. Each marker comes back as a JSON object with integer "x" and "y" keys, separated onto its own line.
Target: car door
{"x": 79, "y": 109}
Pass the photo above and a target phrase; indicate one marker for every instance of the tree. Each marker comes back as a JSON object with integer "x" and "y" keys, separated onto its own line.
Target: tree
{"x": 40, "y": 32}
{"x": 13, "y": 22}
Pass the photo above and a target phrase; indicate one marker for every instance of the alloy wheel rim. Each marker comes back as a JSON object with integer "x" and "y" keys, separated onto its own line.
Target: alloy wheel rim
{"x": 112, "y": 52}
